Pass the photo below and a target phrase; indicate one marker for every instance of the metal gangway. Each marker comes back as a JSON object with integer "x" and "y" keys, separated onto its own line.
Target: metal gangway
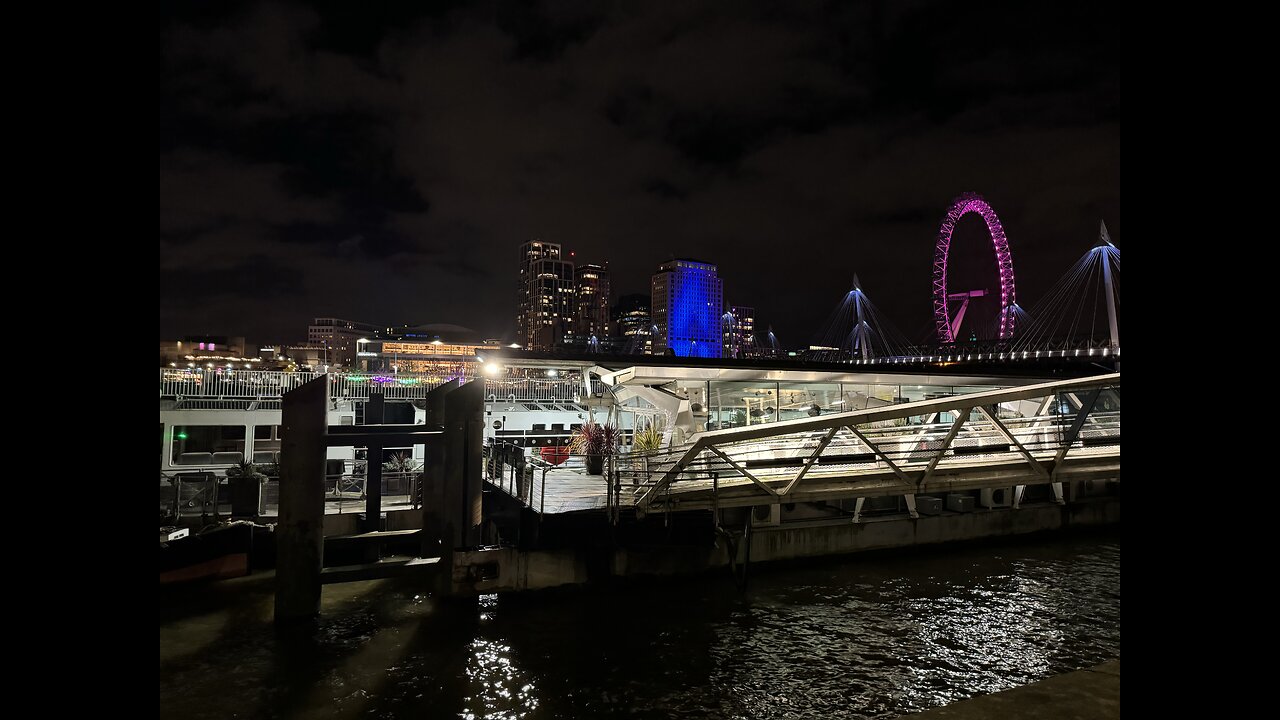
{"x": 1048, "y": 433}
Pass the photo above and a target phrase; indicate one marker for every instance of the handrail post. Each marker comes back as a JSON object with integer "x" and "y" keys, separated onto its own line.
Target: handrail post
{"x": 177, "y": 499}
{"x": 715, "y": 499}
{"x": 617, "y": 489}
{"x": 608, "y": 489}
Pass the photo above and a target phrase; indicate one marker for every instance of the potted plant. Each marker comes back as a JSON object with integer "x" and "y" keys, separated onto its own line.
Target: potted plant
{"x": 400, "y": 465}
{"x": 647, "y": 439}
{"x": 244, "y": 480}
{"x": 595, "y": 441}
{"x": 271, "y": 469}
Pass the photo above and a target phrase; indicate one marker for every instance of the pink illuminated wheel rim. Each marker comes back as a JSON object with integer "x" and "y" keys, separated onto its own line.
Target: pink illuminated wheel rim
{"x": 972, "y": 203}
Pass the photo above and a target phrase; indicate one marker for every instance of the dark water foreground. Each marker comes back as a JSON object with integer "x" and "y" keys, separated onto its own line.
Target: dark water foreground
{"x": 872, "y": 636}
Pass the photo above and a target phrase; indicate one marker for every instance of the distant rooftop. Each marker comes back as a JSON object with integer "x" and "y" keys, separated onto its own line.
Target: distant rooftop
{"x": 672, "y": 263}
{"x": 445, "y": 331}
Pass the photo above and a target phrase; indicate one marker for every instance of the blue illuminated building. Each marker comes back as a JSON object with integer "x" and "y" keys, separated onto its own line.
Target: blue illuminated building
{"x": 686, "y": 297}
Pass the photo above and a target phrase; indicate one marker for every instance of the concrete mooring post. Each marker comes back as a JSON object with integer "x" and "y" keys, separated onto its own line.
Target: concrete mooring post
{"x": 300, "y": 530}
{"x": 463, "y": 464}
{"x": 374, "y": 413}
{"x": 433, "y": 521}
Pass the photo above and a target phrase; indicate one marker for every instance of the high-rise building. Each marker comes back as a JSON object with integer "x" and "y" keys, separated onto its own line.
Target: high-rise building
{"x": 339, "y": 338}
{"x": 592, "y": 298}
{"x": 632, "y": 322}
{"x": 685, "y": 298}
{"x": 544, "y": 296}
{"x": 739, "y": 328}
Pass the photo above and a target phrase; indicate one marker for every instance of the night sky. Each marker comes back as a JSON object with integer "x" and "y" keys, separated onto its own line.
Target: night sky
{"x": 384, "y": 161}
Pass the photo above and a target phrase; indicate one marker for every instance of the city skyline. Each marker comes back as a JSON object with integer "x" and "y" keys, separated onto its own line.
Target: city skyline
{"x": 381, "y": 167}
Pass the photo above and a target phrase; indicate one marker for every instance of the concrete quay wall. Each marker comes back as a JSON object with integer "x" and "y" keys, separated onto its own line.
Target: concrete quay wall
{"x": 514, "y": 570}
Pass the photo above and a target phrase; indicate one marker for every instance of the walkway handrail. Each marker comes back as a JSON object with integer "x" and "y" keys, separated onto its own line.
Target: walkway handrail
{"x": 713, "y": 440}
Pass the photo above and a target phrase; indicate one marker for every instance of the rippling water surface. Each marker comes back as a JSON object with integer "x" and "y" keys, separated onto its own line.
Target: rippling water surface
{"x": 873, "y": 636}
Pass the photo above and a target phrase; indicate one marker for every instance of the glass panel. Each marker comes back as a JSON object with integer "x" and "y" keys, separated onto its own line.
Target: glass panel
{"x": 966, "y": 389}
{"x": 196, "y": 444}
{"x": 912, "y": 393}
{"x": 802, "y": 400}
{"x": 861, "y": 397}
{"x": 695, "y": 391}
{"x": 265, "y": 440}
{"x": 742, "y": 403}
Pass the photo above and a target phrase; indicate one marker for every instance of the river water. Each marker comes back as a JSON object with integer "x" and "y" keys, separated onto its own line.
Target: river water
{"x": 872, "y": 636}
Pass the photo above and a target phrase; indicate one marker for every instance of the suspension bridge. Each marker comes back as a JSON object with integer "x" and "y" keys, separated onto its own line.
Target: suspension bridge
{"x": 973, "y": 319}
{"x": 1077, "y": 318}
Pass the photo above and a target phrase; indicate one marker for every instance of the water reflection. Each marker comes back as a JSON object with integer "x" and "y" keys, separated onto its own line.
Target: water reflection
{"x": 497, "y": 687}
{"x": 871, "y": 637}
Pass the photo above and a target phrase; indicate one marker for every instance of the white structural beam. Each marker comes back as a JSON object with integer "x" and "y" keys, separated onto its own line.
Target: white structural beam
{"x": 811, "y": 460}
{"x": 961, "y": 416}
{"x": 744, "y": 471}
{"x": 1031, "y": 460}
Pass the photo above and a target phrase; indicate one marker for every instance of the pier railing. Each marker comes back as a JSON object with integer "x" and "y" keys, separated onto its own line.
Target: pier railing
{"x": 1032, "y": 434}
{"x": 523, "y": 476}
{"x": 221, "y": 384}
{"x": 207, "y": 492}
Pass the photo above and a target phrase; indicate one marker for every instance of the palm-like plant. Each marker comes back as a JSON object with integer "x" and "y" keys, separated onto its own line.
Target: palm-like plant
{"x": 400, "y": 462}
{"x": 647, "y": 439}
{"x": 244, "y": 469}
{"x": 595, "y": 441}
{"x": 399, "y": 467}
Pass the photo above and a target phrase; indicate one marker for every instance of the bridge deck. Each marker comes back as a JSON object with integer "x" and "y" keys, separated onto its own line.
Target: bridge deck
{"x": 567, "y": 490}
{"x": 949, "y": 476}
{"x": 572, "y": 490}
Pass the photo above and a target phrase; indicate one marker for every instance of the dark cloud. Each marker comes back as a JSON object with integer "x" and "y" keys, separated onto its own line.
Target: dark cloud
{"x": 252, "y": 278}
{"x": 664, "y": 189}
{"x": 390, "y": 159}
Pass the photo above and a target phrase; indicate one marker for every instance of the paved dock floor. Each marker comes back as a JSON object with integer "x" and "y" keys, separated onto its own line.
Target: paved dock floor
{"x": 1087, "y": 694}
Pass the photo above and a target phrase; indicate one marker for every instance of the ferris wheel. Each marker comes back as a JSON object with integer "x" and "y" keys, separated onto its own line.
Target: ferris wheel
{"x": 946, "y": 321}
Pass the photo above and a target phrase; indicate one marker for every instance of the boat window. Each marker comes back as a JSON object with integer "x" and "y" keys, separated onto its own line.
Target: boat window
{"x": 266, "y": 438}
{"x": 197, "y": 444}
